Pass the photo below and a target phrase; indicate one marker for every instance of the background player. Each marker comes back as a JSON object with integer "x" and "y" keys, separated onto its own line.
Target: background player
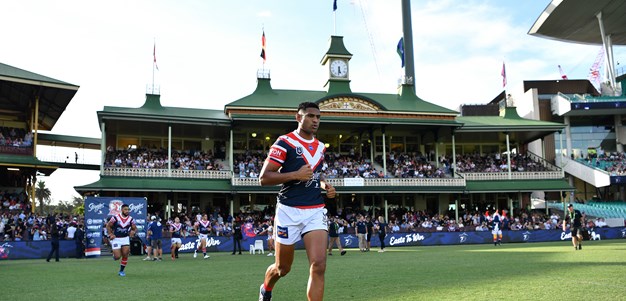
{"x": 120, "y": 227}
{"x": 203, "y": 228}
{"x": 496, "y": 229}
{"x": 177, "y": 232}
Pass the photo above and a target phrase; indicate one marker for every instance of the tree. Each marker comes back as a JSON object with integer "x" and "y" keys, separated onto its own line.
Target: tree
{"x": 79, "y": 205}
{"x": 43, "y": 194}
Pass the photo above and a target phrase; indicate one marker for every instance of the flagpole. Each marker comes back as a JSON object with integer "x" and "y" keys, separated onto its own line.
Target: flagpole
{"x": 153, "y": 59}
{"x": 334, "y": 17}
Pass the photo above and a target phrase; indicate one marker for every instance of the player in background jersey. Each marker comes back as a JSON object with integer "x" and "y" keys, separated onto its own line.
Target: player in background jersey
{"x": 295, "y": 162}
{"x": 120, "y": 227}
{"x": 203, "y": 228}
{"x": 270, "y": 238}
{"x": 496, "y": 229}
{"x": 177, "y": 232}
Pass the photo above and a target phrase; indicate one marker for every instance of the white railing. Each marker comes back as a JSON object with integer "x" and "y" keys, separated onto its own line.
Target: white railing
{"x": 517, "y": 175}
{"x": 163, "y": 173}
{"x": 373, "y": 182}
{"x": 245, "y": 182}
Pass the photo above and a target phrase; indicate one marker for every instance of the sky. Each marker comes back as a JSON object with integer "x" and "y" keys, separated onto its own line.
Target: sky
{"x": 208, "y": 52}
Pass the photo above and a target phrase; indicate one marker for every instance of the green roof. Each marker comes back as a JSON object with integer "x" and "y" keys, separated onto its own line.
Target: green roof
{"x": 10, "y": 73}
{"x": 266, "y": 97}
{"x": 350, "y": 119}
{"x": 108, "y": 183}
{"x": 518, "y": 186}
{"x": 511, "y": 122}
{"x": 153, "y": 110}
{"x": 27, "y": 161}
{"x": 68, "y": 141}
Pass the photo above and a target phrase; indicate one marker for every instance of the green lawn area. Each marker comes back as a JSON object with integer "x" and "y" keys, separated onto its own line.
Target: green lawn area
{"x": 531, "y": 271}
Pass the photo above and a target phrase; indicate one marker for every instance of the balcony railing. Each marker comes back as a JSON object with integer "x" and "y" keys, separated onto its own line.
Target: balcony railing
{"x": 517, "y": 175}
{"x": 372, "y": 182}
{"x": 163, "y": 173}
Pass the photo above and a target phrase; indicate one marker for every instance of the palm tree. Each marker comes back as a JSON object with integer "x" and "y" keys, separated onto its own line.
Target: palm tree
{"x": 42, "y": 193}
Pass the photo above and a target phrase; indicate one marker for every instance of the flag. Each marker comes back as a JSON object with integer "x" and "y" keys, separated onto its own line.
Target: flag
{"x": 503, "y": 73}
{"x": 154, "y": 56}
{"x": 263, "y": 47}
{"x": 400, "y": 50}
{"x": 563, "y": 76}
{"x": 334, "y": 5}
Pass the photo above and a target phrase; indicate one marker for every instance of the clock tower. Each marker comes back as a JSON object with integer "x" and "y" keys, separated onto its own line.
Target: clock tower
{"x": 337, "y": 59}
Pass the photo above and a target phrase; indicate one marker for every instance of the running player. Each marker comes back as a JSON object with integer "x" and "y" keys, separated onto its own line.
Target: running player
{"x": 203, "y": 228}
{"x": 295, "y": 162}
{"x": 120, "y": 227}
{"x": 177, "y": 232}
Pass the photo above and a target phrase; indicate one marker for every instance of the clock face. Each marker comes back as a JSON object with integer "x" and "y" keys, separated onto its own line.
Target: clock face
{"x": 339, "y": 68}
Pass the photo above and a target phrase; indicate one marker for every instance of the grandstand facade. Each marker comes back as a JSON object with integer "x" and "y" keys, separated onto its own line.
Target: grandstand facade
{"x": 383, "y": 150}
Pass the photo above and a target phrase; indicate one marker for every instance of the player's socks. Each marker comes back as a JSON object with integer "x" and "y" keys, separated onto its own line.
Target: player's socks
{"x": 123, "y": 263}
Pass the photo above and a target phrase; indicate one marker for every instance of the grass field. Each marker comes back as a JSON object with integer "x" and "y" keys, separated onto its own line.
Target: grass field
{"x": 533, "y": 271}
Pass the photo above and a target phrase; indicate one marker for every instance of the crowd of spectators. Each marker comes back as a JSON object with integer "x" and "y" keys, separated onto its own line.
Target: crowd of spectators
{"x": 15, "y": 137}
{"x": 14, "y": 201}
{"x": 613, "y": 162}
{"x": 413, "y": 165}
{"x": 20, "y": 225}
{"x": 155, "y": 158}
{"x": 495, "y": 162}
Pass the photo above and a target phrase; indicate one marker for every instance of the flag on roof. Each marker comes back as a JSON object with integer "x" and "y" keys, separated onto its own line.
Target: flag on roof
{"x": 334, "y": 5}
{"x": 400, "y": 50}
{"x": 503, "y": 73}
{"x": 563, "y": 75}
{"x": 263, "y": 47}
{"x": 154, "y": 56}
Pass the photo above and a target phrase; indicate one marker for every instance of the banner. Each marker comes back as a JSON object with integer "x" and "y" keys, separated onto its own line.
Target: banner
{"x": 98, "y": 210}
{"x": 40, "y": 249}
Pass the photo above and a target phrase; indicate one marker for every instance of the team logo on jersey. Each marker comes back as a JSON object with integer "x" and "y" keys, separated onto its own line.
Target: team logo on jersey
{"x": 282, "y": 232}
{"x": 299, "y": 150}
{"x": 310, "y": 147}
{"x": 115, "y": 207}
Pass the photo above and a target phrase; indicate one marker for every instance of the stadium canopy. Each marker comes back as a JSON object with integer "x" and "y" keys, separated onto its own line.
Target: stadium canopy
{"x": 577, "y": 21}
{"x": 597, "y": 22}
{"x": 19, "y": 89}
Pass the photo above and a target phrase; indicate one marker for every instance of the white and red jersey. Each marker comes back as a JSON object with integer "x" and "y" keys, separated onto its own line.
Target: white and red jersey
{"x": 291, "y": 152}
{"x": 176, "y": 230}
{"x": 204, "y": 227}
{"x": 121, "y": 225}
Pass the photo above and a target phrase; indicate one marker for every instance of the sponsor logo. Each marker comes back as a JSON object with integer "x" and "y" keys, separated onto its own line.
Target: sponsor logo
{"x": 282, "y": 232}
{"x": 463, "y": 237}
{"x": 526, "y": 235}
{"x": 348, "y": 240}
{"x": 93, "y": 234}
{"x": 595, "y": 236}
{"x": 93, "y": 207}
{"x": 310, "y": 147}
{"x": 140, "y": 221}
{"x": 93, "y": 228}
{"x": 4, "y": 250}
{"x": 624, "y": 233}
{"x": 136, "y": 208}
{"x": 275, "y": 152}
{"x": 210, "y": 242}
{"x": 565, "y": 236}
{"x": 414, "y": 237}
